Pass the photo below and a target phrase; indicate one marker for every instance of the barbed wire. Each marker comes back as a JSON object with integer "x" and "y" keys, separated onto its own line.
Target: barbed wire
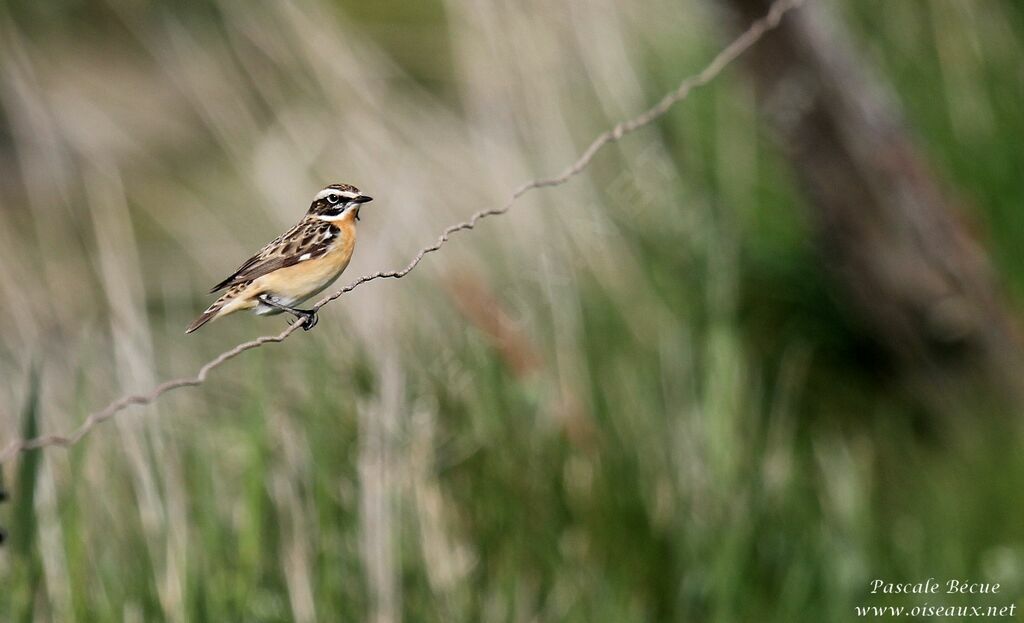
{"x": 741, "y": 44}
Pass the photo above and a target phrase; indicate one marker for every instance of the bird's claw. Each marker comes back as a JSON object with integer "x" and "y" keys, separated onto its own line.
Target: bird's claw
{"x": 309, "y": 321}
{"x": 307, "y": 318}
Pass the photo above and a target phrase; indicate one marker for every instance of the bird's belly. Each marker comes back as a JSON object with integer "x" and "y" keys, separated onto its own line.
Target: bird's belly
{"x": 294, "y": 284}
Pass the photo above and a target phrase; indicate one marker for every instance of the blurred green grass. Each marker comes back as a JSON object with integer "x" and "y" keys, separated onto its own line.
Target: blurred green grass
{"x": 698, "y": 432}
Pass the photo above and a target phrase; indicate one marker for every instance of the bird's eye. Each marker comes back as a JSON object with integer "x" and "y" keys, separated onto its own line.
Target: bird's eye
{"x": 333, "y": 199}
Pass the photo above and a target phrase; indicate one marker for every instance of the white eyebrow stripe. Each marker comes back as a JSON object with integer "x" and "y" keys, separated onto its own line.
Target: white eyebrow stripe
{"x": 334, "y": 191}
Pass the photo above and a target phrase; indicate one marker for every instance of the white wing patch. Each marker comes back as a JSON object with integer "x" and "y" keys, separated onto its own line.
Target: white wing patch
{"x": 305, "y": 256}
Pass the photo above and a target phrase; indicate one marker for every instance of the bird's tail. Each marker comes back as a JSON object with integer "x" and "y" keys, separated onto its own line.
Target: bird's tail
{"x": 211, "y": 312}
{"x": 205, "y": 317}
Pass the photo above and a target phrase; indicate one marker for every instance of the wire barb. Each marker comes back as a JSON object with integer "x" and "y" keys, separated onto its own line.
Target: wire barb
{"x": 738, "y": 46}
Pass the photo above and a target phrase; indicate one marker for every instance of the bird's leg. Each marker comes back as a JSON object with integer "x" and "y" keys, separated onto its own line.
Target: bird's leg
{"x": 308, "y": 316}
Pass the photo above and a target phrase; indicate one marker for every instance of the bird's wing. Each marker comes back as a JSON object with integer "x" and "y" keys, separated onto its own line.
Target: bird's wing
{"x": 305, "y": 241}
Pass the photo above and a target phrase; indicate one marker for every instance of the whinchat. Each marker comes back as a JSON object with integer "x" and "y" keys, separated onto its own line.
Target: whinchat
{"x": 296, "y": 265}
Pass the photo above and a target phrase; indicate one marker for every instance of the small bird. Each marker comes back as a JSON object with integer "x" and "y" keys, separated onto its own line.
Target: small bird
{"x": 296, "y": 265}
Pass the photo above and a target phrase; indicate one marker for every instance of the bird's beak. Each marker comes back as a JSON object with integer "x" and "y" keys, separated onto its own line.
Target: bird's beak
{"x": 359, "y": 200}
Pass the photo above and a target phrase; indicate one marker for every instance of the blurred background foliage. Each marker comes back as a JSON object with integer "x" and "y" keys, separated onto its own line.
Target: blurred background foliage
{"x": 636, "y": 397}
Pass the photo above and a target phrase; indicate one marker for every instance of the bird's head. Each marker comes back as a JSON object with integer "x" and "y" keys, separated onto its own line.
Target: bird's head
{"x": 337, "y": 202}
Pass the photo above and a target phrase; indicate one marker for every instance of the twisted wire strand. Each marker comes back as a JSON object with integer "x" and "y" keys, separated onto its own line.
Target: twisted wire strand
{"x": 741, "y": 44}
